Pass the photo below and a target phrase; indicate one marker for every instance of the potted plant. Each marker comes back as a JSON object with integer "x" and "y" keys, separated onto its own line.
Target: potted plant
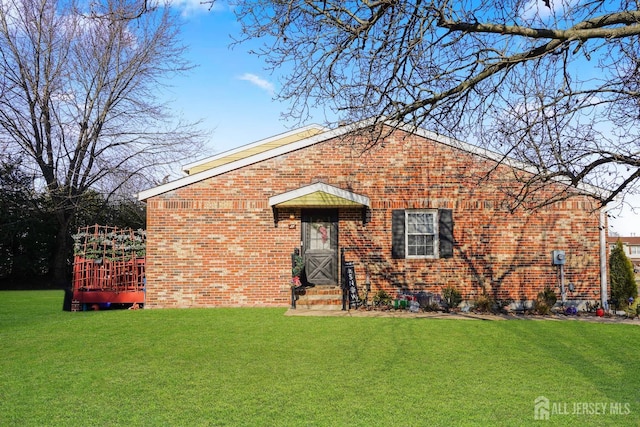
{"x": 382, "y": 300}
{"x": 296, "y": 270}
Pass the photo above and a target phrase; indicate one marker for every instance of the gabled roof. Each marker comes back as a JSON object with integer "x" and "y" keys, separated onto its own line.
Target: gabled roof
{"x": 287, "y": 142}
{"x": 254, "y": 148}
{"x": 243, "y": 161}
{"x": 318, "y": 195}
{"x": 628, "y": 240}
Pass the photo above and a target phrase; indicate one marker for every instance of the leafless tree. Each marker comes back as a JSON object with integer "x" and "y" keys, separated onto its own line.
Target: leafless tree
{"x": 552, "y": 83}
{"x": 81, "y": 100}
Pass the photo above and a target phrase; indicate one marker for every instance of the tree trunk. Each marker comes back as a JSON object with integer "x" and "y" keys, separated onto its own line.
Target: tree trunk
{"x": 62, "y": 252}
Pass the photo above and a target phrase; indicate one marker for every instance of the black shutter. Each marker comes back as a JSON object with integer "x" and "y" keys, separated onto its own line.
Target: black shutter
{"x": 397, "y": 232}
{"x": 445, "y": 232}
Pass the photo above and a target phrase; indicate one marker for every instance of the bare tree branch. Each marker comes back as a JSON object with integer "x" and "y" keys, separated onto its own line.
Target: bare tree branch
{"x": 80, "y": 96}
{"x": 555, "y": 85}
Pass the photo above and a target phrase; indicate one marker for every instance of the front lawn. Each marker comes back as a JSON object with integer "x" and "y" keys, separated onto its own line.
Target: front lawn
{"x": 257, "y": 367}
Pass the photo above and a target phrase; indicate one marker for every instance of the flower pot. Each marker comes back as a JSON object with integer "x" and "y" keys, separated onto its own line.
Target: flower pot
{"x": 600, "y": 312}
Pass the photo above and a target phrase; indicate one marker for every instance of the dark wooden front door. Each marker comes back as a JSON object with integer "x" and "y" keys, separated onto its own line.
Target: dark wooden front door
{"x": 320, "y": 246}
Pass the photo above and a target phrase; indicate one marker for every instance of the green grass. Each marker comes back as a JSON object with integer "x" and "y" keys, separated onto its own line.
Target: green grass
{"x": 257, "y": 367}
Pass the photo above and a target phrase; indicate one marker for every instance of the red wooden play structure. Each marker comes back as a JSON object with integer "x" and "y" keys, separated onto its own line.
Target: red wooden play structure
{"x": 108, "y": 268}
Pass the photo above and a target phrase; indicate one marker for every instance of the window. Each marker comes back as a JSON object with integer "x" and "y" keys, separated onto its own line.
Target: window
{"x": 634, "y": 250}
{"x": 320, "y": 235}
{"x": 422, "y": 233}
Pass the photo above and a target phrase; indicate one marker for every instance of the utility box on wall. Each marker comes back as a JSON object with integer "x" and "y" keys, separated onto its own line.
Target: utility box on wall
{"x": 558, "y": 257}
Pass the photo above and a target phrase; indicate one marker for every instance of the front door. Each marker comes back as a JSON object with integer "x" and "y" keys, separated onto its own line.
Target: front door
{"x": 320, "y": 246}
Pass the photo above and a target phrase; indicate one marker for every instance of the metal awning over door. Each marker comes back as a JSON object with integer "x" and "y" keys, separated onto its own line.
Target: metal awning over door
{"x": 320, "y": 196}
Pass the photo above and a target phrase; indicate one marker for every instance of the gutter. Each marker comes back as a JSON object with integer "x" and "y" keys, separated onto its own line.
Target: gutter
{"x": 603, "y": 260}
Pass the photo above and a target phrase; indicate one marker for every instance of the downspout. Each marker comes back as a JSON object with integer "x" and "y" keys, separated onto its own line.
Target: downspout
{"x": 603, "y": 260}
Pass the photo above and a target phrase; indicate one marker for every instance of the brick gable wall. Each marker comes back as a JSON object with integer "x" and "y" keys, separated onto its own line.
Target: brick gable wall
{"x": 214, "y": 243}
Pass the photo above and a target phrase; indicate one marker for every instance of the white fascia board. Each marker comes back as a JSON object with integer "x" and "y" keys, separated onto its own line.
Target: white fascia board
{"x": 319, "y": 186}
{"x": 251, "y": 145}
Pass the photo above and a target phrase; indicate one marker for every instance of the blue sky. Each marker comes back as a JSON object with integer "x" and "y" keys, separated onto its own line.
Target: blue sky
{"x": 229, "y": 88}
{"x": 230, "y": 91}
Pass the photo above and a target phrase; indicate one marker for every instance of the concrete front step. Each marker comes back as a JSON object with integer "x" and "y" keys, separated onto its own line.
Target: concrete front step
{"x": 320, "y": 298}
{"x": 312, "y": 306}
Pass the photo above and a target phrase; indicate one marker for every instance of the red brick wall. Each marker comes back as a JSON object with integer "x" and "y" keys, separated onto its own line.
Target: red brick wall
{"x": 214, "y": 243}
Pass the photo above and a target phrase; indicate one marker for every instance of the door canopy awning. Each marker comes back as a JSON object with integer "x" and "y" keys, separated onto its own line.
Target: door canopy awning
{"x": 319, "y": 195}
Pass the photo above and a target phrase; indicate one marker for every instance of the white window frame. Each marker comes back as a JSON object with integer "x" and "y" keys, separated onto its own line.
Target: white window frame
{"x": 634, "y": 250}
{"x": 436, "y": 242}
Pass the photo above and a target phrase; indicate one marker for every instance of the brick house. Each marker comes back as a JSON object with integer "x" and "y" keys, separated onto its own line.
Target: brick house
{"x": 416, "y": 212}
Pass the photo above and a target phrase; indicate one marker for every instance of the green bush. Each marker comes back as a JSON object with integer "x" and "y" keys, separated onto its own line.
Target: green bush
{"x": 545, "y": 301}
{"x": 548, "y": 295}
{"x": 541, "y": 307}
{"x": 485, "y": 304}
{"x": 432, "y": 306}
{"x": 451, "y": 297}
{"x": 622, "y": 277}
{"x": 382, "y": 298}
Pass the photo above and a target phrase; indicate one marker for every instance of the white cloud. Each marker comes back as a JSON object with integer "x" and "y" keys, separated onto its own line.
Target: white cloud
{"x": 258, "y": 81}
{"x": 193, "y": 7}
{"x": 555, "y": 8}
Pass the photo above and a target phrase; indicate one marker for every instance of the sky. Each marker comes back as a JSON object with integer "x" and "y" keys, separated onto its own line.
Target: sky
{"x": 232, "y": 93}
{"x": 229, "y": 89}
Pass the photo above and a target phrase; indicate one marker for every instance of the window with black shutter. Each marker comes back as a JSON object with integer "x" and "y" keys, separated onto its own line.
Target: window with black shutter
{"x": 422, "y": 233}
